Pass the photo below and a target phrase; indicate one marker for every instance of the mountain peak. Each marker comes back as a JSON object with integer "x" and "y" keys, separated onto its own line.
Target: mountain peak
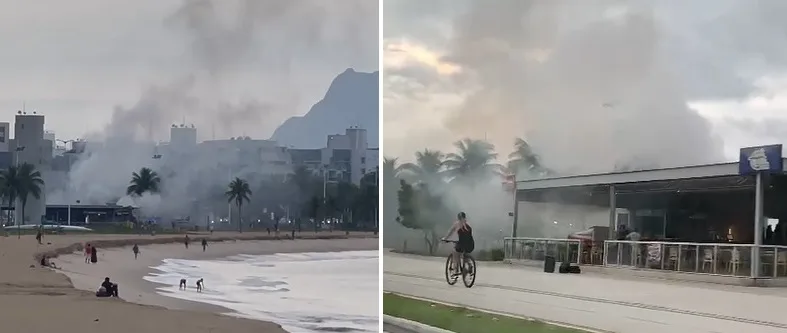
{"x": 351, "y": 100}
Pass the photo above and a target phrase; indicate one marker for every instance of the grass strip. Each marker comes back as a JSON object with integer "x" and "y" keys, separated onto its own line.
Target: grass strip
{"x": 462, "y": 320}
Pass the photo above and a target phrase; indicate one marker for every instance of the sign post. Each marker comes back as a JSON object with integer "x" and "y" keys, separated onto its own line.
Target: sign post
{"x": 759, "y": 161}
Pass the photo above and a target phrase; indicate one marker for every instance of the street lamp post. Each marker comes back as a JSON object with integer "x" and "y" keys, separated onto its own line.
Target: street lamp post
{"x": 18, "y": 223}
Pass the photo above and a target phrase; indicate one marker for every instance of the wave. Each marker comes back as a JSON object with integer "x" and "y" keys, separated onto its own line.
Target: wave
{"x": 303, "y": 292}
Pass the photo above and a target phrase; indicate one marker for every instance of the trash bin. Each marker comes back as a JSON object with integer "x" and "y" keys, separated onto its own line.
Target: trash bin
{"x": 549, "y": 264}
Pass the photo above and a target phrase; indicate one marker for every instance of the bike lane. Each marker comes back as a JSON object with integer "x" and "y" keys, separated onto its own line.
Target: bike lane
{"x": 601, "y": 302}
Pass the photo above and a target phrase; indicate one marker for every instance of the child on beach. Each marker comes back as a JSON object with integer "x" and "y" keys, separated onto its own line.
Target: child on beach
{"x": 87, "y": 253}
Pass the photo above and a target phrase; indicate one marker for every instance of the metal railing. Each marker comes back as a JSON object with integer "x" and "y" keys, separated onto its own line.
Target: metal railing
{"x": 536, "y": 249}
{"x": 706, "y": 258}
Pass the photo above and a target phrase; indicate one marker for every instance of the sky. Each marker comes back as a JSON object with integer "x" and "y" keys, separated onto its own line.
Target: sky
{"x": 92, "y": 66}
{"x": 591, "y": 85}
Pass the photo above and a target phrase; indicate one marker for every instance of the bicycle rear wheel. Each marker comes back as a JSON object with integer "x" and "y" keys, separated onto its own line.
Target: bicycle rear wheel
{"x": 468, "y": 270}
{"x": 449, "y": 275}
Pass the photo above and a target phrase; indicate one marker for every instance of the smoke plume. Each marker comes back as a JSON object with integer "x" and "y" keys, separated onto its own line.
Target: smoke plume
{"x": 287, "y": 43}
{"x": 593, "y": 86}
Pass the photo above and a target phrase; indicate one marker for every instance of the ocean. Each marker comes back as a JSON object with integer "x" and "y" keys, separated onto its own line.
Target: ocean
{"x": 302, "y": 292}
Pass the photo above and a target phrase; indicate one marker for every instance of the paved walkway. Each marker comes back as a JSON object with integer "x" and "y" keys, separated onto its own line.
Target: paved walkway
{"x": 601, "y": 302}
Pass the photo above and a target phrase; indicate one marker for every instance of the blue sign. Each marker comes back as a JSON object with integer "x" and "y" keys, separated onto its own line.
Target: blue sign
{"x": 766, "y": 159}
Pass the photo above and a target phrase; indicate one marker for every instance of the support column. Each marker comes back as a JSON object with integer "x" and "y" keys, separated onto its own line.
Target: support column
{"x": 759, "y": 195}
{"x": 516, "y": 214}
{"x": 613, "y": 204}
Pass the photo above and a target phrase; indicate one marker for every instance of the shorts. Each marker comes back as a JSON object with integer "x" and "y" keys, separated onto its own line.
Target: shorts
{"x": 464, "y": 247}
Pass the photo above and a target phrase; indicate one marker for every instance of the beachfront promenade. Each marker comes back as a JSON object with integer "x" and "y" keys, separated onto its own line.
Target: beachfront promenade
{"x": 36, "y": 299}
{"x": 603, "y": 302}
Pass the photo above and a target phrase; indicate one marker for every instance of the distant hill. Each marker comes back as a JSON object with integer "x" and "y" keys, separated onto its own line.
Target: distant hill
{"x": 351, "y": 100}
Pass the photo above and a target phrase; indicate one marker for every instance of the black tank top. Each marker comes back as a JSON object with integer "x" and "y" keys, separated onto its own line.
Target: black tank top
{"x": 465, "y": 234}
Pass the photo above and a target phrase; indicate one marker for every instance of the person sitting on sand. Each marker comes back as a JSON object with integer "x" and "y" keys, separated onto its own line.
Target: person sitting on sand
{"x": 46, "y": 263}
{"x": 182, "y": 285}
{"x": 199, "y": 285}
{"x": 135, "y": 249}
{"x": 111, "y": 288}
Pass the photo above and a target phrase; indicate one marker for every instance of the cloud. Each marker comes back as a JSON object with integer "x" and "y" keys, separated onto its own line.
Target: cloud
{"x": 590, "y": 86}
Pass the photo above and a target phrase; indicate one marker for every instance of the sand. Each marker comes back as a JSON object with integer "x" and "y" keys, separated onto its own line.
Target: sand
{"x": 38, "y": 299}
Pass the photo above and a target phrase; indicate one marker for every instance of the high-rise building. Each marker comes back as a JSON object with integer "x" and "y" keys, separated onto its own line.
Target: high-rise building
{"x": 29, "y": 146}
{"x": 347, "y": 157}
{"x": 5, "y": 136}
{"x": 354, "y": 140}
{"x": 182, "y": 138}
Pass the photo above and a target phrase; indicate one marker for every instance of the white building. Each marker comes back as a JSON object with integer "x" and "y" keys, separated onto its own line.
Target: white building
{"x": 29, "y": 146}
{"x": 5, "y": 136}
{"x": 354, "y": 140}
{"x": 183, "y": 138}
{"x": 245, "y": 154}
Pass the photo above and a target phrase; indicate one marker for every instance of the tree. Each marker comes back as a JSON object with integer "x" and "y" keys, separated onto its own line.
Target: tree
{"x": 145, "y": 180}
{"x": 238, "y": 191}
{"x": 367, "y": 203}
{"x": 307, "y": 186}
{"x": 21, "y": 182}
{"x": 524, "y": 160}
{"x": 7, "y": 179}
{"x": 420, "y": 210}
{"x": 427, "y": 167}
{"x": 474, "y": 160}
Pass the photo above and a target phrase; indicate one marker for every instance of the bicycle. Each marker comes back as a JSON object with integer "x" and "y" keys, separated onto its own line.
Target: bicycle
{"x": 467, "y": 268}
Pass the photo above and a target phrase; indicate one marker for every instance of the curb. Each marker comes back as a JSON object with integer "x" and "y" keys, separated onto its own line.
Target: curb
{"x": 413, "y": 326}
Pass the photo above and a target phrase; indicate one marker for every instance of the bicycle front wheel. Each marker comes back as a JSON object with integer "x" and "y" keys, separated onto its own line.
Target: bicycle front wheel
{"x": 468, "y": 270}
{"x": 449, "y": 275}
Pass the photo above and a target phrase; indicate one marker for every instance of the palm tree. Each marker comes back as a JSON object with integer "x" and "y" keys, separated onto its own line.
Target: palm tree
{"x": 238, "y": 190}
{"x": 7, "y": 177}
{"x": 474, "y": 160}
{"x": 21, "y": 182}
{"x": 145, "y": 180}
{"x": 524, "y": 159}
{"x": 427, "y": 166}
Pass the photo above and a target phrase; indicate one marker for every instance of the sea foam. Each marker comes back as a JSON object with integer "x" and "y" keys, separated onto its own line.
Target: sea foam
{"x": 303, "y": 292}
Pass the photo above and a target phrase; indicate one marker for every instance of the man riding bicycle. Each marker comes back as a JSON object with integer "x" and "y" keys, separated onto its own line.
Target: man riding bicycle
{"x": 465, "y": 243}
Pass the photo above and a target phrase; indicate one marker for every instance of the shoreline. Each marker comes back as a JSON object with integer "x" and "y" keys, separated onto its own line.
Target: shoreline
{"x": 120, "y": 265}
{"x": 41, "y": 299}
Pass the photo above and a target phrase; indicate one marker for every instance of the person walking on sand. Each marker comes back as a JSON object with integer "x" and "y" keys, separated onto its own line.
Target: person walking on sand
{"x": 186, "y": 241}
{"x": 204, "y": 244}
{"x": 93, "y": 255}
{"x": 200, "y": 285}
{"x": 182, "y": 285}
{"x": 87, "y": 253}
{"x": 39, "y": 236}
{"x": 135, "y": 249}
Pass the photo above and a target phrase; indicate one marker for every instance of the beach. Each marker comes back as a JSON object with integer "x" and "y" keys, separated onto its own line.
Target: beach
{"x": 40, "y": 299}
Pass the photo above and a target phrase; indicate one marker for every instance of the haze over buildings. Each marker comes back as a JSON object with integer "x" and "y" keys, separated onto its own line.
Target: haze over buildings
{"x": 234, "y": 69}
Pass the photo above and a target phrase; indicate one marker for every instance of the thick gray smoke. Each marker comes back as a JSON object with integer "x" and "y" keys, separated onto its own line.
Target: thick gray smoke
{"x": 282, "y": 42}
{"x": 596, "y": 85}
{"x": 590, "y": 88}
